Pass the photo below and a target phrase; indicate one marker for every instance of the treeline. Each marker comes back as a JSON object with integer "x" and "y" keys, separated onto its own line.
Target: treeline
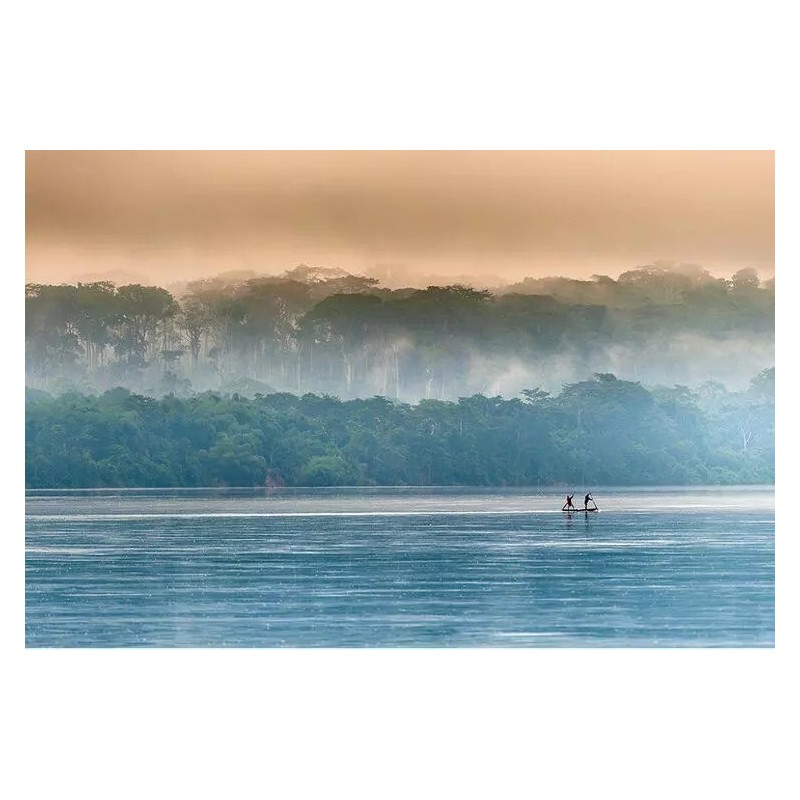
{"x": 327, "y": 332}
{"x": 601, "y": 431}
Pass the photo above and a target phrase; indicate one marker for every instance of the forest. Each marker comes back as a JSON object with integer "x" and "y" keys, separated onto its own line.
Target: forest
{"x": 602, "y": 431}
{"x": 324, "y": 331}
{"x": 319, "y": 377}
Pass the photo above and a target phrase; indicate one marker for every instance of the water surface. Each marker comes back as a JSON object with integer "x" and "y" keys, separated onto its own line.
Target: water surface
{"x": 671, "y": 567}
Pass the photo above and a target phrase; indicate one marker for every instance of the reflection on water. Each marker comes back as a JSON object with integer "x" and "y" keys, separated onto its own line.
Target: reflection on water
{"x": 407, "y": 568}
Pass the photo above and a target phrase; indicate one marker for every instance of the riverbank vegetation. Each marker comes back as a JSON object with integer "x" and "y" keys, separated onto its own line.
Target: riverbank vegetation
{"x": 599, "y": 431}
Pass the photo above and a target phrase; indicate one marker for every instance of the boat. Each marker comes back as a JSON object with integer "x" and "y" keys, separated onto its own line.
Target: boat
{"x": 571, "y": 509}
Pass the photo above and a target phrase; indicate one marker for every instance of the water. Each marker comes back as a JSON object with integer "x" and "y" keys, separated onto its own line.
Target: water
{"x": 674, "y": 567}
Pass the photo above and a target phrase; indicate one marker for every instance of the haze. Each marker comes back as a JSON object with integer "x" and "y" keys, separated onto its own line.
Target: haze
{"x": 492, "y": 216}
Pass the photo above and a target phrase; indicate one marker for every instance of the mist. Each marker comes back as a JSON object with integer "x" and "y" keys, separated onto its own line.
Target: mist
{"x": 325, "y": 331}
{"x": 407, "y": 274}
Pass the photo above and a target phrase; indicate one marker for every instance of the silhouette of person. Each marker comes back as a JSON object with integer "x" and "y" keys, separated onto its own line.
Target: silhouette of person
{"x": 568, "y": 504}
{"x": 586, "y": 500}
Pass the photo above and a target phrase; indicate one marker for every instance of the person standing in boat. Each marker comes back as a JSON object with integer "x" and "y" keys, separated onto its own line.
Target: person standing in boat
{"x": 586, "y": 501}
{"x": 568, "y": 504}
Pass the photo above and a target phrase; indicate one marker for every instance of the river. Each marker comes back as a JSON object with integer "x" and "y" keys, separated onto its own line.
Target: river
{"x": 400, "y": 567}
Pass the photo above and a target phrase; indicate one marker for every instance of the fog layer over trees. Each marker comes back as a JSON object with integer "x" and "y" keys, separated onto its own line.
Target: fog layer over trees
{"x": 323, "y": 331}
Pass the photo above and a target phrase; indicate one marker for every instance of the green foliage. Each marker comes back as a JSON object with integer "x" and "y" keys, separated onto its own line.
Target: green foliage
{"x": 601, "y": 431}
{"x": 216, "y": 352}
{"x": 332, "y": 470}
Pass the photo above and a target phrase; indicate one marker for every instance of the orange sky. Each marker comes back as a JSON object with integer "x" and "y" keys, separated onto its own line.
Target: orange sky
{"x": 163, "y": 216}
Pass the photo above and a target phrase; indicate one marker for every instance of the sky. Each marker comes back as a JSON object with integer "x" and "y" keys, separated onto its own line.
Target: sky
{"x": 493, "y": 215}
